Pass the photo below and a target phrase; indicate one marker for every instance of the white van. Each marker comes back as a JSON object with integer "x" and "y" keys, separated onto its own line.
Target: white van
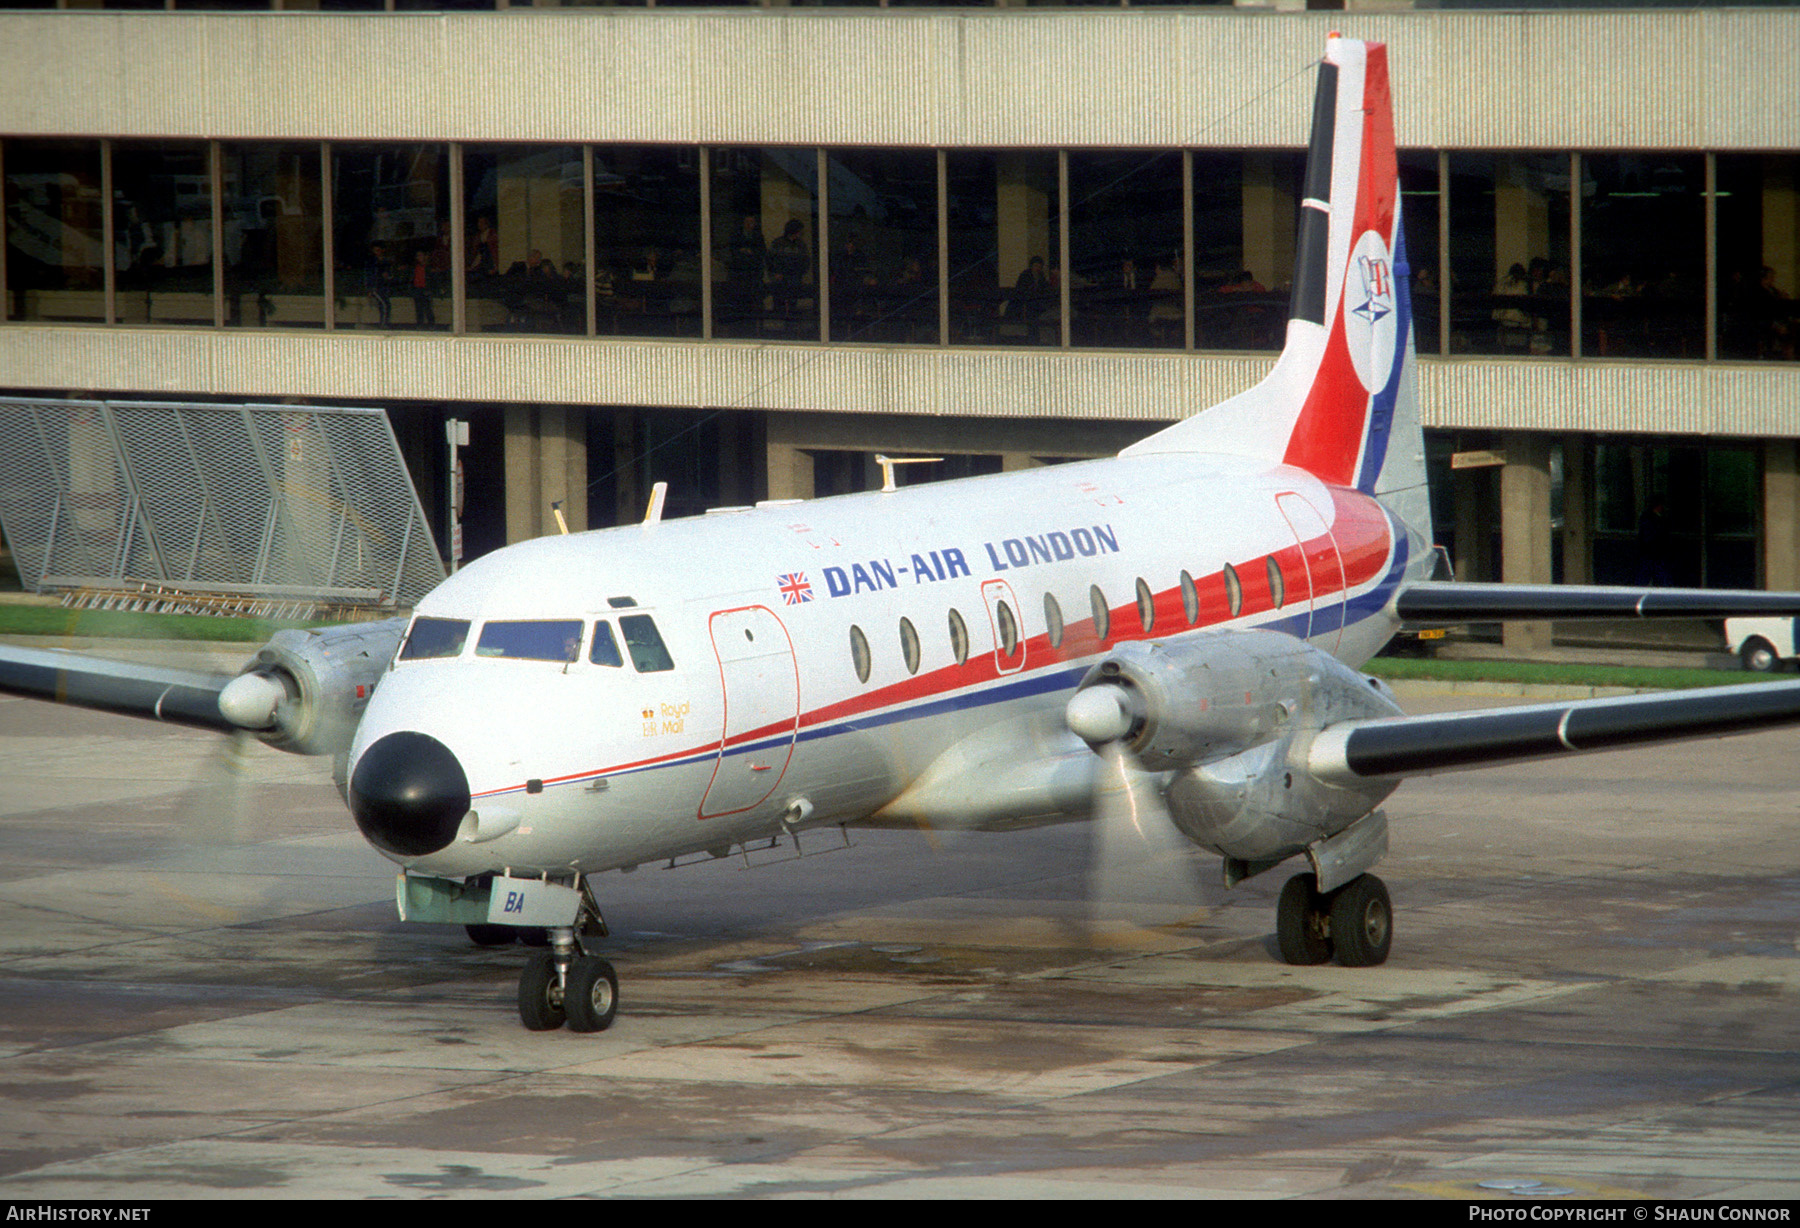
{"x": 1761, "y": 644}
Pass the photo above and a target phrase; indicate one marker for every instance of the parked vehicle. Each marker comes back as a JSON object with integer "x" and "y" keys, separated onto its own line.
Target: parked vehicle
{"x": 1761, "y": 644}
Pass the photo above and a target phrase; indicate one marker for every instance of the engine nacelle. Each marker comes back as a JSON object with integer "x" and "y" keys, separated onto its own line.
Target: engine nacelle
{"x": 311, "y": 686}
{"x": 1233, "y": 714}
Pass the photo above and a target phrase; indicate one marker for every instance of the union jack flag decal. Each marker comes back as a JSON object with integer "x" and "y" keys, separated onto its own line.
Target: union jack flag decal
{"x": 794, "y": 587}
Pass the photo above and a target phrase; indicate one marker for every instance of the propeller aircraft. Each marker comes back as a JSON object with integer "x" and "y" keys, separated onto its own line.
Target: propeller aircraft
{"x": 1174, "y": 631}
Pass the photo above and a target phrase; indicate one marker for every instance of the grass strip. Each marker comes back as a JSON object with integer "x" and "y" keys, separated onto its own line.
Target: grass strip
{"x": 1557, "y": 673}
{"x": 121, "y": 624}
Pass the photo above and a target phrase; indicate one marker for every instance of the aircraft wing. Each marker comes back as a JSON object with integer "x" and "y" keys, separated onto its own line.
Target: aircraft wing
{"x": 184, "y": 697}
{"x": 1391, "y": 747}
{"x": 1450, "y": 601}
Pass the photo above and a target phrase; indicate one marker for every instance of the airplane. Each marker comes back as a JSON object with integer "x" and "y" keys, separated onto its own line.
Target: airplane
{"x": 1174, "y": 632}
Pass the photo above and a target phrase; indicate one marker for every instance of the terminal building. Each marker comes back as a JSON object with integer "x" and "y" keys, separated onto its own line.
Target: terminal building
{"x": 742, "y": 249}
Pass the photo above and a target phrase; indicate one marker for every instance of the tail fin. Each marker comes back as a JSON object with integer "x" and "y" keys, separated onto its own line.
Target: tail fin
{"x": 1342, "y": 401}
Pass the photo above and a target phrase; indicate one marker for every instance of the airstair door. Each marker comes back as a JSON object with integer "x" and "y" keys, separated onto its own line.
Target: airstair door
{"x": 760, "y": 681}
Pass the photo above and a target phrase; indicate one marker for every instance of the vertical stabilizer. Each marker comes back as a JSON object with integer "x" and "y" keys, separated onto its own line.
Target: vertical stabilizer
{"x": 1342, "y": 400}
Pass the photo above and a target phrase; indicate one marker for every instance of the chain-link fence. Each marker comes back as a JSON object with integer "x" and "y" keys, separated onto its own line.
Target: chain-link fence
{"x": 266, "y": 500}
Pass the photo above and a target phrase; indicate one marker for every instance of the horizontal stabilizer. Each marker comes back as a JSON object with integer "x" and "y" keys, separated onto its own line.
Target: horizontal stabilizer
{"x": 1420, "y": 745}
{"x": 183, "y": 697}
{"x": 1454, "y": 602}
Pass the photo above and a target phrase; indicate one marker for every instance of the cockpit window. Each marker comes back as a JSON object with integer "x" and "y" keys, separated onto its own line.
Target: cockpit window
{"x": 644, "y": 644}
{"x": 435, "y": 638}
{"x": 548, "y": 640}
{"x": 606, "y": 649}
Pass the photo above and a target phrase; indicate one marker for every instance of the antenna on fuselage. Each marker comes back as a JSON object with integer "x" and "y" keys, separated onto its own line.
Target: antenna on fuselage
{"x": 887, "y": 464}
{"x": 653, "y": 513}
{"x": 556, "y": 511}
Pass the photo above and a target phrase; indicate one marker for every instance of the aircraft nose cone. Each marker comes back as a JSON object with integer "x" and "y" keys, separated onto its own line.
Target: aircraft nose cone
{"x": 409, "y": 794}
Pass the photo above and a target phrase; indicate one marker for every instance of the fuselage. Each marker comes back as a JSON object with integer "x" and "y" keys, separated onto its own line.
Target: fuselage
{"x": 639, "y": 693}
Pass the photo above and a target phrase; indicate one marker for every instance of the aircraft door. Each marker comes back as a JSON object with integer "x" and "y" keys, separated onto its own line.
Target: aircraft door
{"x": 1005, "y": 622}
{"x": 1324, "y": 569}
{"x": 760, "y": 682}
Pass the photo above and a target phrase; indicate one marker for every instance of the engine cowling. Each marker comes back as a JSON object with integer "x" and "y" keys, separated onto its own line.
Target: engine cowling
{"x": 1232, "y": 714}
{"x": 305, "y": 690}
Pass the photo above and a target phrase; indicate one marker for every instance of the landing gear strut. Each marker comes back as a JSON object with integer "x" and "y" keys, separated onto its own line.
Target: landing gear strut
{"x": 564, "y": 983}
{"x": 1355, "y": 922}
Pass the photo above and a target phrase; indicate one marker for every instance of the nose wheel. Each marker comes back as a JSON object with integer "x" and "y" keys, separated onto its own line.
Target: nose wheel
{"x": 562, "y": 983}
{"x": 581, "y": 991}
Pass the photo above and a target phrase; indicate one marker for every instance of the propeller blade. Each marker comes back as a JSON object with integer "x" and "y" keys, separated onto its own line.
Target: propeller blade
{"x": 1142, "y": 874}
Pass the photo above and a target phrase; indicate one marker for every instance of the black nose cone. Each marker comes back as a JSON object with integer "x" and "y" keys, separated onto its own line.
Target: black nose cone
{"x": 409, "y": 794}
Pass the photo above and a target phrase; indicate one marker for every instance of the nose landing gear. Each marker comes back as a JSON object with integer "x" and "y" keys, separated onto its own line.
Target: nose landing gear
{"x": 578, "y": 989}
{"x": 564, "y": 984}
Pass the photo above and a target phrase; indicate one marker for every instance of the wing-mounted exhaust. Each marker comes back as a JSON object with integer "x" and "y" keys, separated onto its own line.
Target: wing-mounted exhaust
{"x": 1233, "y": 716}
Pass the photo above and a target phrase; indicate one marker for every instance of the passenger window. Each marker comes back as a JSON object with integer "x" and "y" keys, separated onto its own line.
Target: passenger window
{"x": 1009, "y": 630}
{"x": 606, "y": 649}
{"x": 1146, "y": 602}
{"x": 435, "y": 638}
{"x": 859, "y": 653}
{"x": 536, "y": 640}
{"x": 648, "y": 656}
{"x": 1190, "y": 599}
{"x": 1277, "y": 582}
{"x": 1234, "y": 590}
{"x": 1102, "y": 612}
{"x": 909, "y": 645}
{"x": 1053, "y": 620}
{"x": 959, "y": 637}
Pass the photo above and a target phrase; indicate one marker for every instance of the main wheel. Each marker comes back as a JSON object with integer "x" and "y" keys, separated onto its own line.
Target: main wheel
{"x": 592, "y": 997}
{"x": 1759, "y": 656}
{"x": 540, "y": 997}
{"x": 1362, "y": 922}
{"x": 1302, "y": 922}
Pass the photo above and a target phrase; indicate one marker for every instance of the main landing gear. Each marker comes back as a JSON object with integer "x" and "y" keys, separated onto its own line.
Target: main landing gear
{"x": 1355, "y": 922}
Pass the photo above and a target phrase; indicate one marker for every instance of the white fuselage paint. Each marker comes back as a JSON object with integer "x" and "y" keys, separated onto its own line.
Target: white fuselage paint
{"x": 632, "y": 766}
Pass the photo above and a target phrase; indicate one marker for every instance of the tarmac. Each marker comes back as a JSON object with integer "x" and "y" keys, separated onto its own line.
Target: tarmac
{"x": 1594, "y": 987}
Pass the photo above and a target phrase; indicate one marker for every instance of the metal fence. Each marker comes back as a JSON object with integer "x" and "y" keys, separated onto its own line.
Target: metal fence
{"x": 263, "y": 500}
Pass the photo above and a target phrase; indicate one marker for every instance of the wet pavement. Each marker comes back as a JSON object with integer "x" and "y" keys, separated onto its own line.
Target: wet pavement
{"x": 204, "y": 992}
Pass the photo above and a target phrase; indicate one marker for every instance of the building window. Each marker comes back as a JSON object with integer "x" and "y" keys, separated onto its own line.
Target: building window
{"x": 1246, "y": 210}
{"x": 391, "y": 232}
{"x": 524, "y": 257}
{"x": 1759, "y": 256}
{"x": 275, "y": 236}
{"x": 1643, "y": 256}
{"x": 55, "y": 259}
{"x": 647, "y": 231}
{"x": 1125, "y": 249}
{"x": 163, "y": 233}
{"x": 1005, "y": 257}
{"x": 765, "y": 243}
{"x": 1509, "y": 254}
{"x": 884, "y": 245}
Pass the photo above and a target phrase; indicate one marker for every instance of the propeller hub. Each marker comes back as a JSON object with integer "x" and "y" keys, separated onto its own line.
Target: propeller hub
{"x": 249, "y": 701}
{"x": 409, "y": 794}
{"x": 1100, "y": 714}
